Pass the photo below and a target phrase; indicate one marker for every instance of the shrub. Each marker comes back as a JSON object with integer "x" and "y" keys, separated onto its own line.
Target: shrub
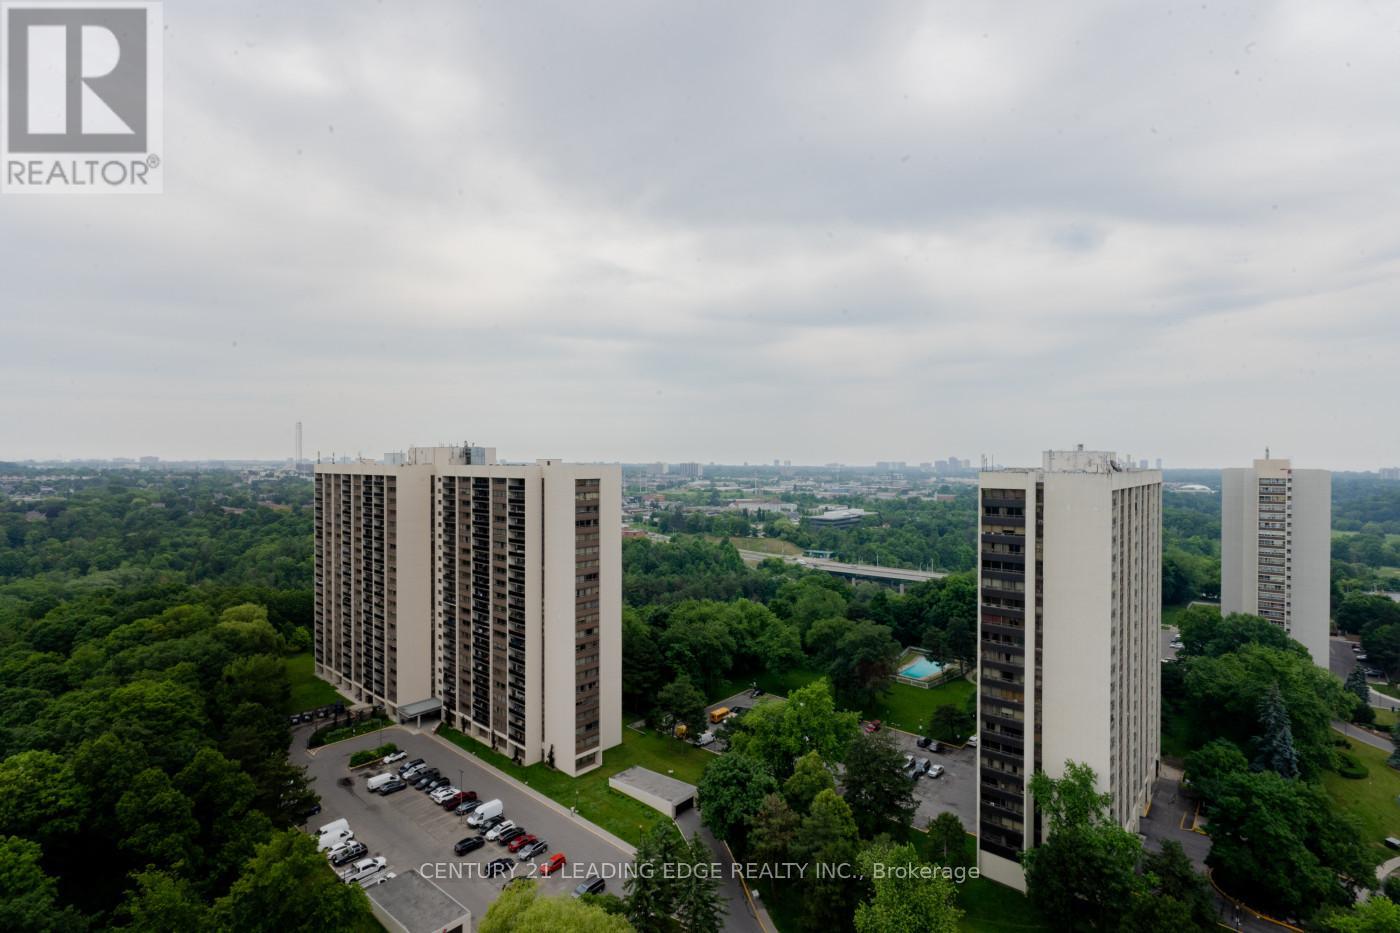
{"x": 1349, "y": 767}
{"x": 364, "y": 757}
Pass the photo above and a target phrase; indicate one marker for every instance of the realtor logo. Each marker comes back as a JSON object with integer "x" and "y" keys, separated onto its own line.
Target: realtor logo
{"x": 82, "y": 97}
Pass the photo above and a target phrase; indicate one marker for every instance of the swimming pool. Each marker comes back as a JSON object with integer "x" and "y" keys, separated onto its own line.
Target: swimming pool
{"x": 922, "y": 669}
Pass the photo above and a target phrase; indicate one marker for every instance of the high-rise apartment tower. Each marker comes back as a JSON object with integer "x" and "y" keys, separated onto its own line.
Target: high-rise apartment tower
{"x": 1069, "y": 612}
{"x": 1276, "y": 549}
{"x": 488, "y": 593}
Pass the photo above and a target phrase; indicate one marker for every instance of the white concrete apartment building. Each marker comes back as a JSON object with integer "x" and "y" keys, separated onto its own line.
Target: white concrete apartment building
{"x": 1276, "y": 549}
{"x": 501, "y": 589}
{"x": 1069, "y": 612}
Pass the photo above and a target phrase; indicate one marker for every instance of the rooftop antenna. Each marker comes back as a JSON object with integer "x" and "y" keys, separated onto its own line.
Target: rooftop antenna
{"x": 1266, "y": 453}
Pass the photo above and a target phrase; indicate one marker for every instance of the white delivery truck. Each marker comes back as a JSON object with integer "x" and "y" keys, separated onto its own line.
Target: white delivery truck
{"x": 484, "y": 812}
{"x": 378, "y": 781}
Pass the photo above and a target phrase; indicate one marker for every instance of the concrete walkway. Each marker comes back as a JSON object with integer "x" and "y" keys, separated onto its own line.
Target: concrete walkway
{"x": 741, "y": 917}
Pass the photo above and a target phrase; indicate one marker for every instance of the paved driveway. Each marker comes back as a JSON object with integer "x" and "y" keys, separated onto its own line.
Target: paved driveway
{"x": 412, "y": 832}
{"x": 1343, "y": 659}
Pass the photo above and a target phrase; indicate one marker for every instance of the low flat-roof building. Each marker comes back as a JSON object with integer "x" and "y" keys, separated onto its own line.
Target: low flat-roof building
{"x": 410, "y": 903}
{"x": 838, "y": 518}
{"x": 656, "y": 790}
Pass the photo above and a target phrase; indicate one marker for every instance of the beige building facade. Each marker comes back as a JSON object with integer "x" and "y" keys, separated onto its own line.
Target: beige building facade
{"x": 503, "y": 597}
{"x": 1069, "y": 613}
{"x": 1276, "y": 549}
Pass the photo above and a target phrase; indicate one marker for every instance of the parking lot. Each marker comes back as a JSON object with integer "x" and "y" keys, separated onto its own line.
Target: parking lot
{"x": 742, "y": 702}
{"x": 412, "y": 832}
{"x": 955, "y": 791}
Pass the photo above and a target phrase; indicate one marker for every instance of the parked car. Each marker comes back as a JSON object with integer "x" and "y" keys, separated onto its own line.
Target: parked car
{"x": 556, "y": 862}
{"x": 348, "y": 852}
{"x": 377, "y": 781}
{"x": 591, "y": 886}
{"x": 528, "y": 852}
{"x": 395, "y": 756}
{"x": 438, "y": 783}
{"x": 908, "y": 761}
{"x": 870, "y": 726}
{"x": 393, "y": 787}
{"x": 972, "y": 740}
{"x": 469, "y": 844}
{"x": 924, "y": 742}
{"x": 510, "y": 835}
{"x": 442, "y": 793}
{"x": 497, "y": 867}
{"x": 295, "y": 719}
{"x": 363, "y": 869}
{"x": 457, "y": 796}
{"x": 521, "y": 841}
{"x": 405, "y": 769}
{"x": 494, "y": 831}
{"x": 1361, "y": 656}
{"x": 936, "y": 771}
{"x": 1393, "y": 842}
{"x": 1372, "y": 672}
{"x": 465, "y": 807}
{"x": 425, "y": 778}
{"x": 706, "y": 738}
{"x": 755, "y": 693}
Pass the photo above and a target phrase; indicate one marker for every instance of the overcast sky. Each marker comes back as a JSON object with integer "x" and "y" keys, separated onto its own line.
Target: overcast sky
{"x": 734, "y": 231}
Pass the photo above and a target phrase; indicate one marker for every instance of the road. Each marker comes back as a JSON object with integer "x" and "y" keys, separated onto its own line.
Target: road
{"x": 1361, "y": 735}
{"x": 738, "y": 917}
{"x": 1172, "y": 816}
{"x": 863, "y": 571}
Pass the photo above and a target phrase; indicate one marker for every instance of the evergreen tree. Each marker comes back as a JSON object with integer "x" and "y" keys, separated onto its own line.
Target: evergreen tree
{"x": 1394, "y": 759}
{"x": 774, "y": 830}
{"x": 876, "y": 789}
{"x": 1356, "y": 683}
{"x": 699, "y": 909}
{"x": 827, "y": 838}
{"x": 948, "y": 840}
{"x": 1275, "y": 748}
{"x": 652, "y": 889}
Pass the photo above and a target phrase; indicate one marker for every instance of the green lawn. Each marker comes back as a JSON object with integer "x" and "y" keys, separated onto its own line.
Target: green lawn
{"x": 903, "y": 707}
{"x": 1390, "y": 690}
{"x": 308, "y": 690}
{"x": 993, "y": 908}
{"x": 1370, "y": 801}
{"x": 1171, "y": 615}
{"x": 774, "y": 546}
{"x": 909, "y": 708}
{"x": 1384, "y": 718}
{"x": 778, "y": 684}
{"x": 618, "y": 814}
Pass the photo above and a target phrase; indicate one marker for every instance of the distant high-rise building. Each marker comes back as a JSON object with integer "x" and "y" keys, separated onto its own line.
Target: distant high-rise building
{"x": 1069, "y": 598}
{"x": 1159, "y": 463}
{"x": 1390, "y": 473}
{"x": 687, "y": 470}
{"x": 1276, "y": 549}
{"x": 1142, "y": 464}
{"x": 487, "y": 593}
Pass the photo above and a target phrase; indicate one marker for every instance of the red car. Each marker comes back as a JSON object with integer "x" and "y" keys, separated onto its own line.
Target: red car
{"x": 556, "y": 862}
{"x": 871, "y": 726}
{"x": 460, "y": 797}
{"x": 520, "y": 842}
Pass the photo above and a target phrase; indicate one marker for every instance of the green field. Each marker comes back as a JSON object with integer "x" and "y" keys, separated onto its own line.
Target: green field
{"x": 902, "y": 706}
{"x": 993, "y": 908}
{"x": 774, "y": 546}
{"x": 1385, "y": 718}
{"x": 1371, "y": 801}
{"x": 1390, "y": 690}
{"x": 618, "y": 814}
{"x": 1172, "y": 614}
{"x": 308, "y": 690}
{"x": 909, "y": 708}
{"x": 779, "y": 684}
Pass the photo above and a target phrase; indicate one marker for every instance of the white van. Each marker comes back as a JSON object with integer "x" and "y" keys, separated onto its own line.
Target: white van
{"x": 333, "y": 834}
{"x": 378, "y": 781}
{"x": 484, "y": 812}
{"x": 363, "y": 869}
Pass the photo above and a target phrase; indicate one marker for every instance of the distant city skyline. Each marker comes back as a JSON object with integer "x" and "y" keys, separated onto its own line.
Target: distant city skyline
{"x": 879, "y": 231}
